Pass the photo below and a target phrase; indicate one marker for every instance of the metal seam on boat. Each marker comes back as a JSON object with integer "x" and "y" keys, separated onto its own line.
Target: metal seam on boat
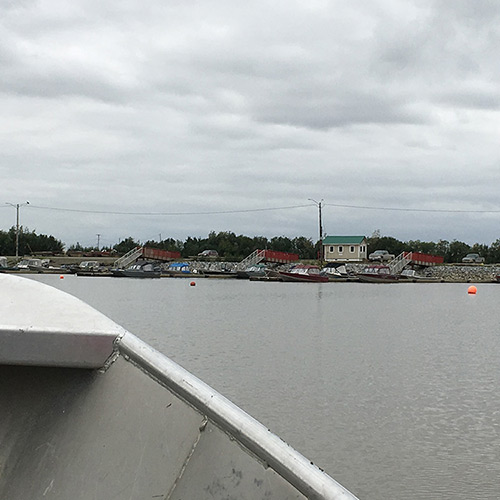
{"x": 249, "y": 433}
{"x": 186, "y": 462}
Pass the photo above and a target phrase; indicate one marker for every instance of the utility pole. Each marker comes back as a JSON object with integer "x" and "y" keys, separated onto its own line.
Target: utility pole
{"x": 98, "y": 238}
{"x": 319, "y": 204}
{"x": 17, "y": 206}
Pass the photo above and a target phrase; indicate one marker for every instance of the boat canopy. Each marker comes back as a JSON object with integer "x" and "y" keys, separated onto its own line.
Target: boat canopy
{"x": 178, "y": 265}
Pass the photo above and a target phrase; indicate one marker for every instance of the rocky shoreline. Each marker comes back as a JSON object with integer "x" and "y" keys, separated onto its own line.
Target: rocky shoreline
{"x": 481, "y": 273}
{"x": 452, "y": 273}
{"x": 447, "y": 273}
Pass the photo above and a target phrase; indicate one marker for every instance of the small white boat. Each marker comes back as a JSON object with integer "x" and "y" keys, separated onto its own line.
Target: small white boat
{"x": 410, "y": 275}
{"x": 335, "y": 272}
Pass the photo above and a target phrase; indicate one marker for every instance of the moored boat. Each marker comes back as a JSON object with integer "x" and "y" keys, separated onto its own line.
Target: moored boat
{"x": 377, "y": 273}
{"x": 335, "y": 271}
{"x": 91, "y": 268}
{"x": 303, "y": 273}
{"x": 178, "y": 270}
{"x": 254, "y": 271}
{"x": 410, "y": 275}
{"x": 47, "y": 268}
{"x": 141, "y": 269}
{"x": 85, "y": 266}
{"x": 4, "y": 265}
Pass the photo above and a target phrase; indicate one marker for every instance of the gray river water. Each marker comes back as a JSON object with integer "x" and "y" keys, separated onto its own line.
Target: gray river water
{"x": 392, "y": 389}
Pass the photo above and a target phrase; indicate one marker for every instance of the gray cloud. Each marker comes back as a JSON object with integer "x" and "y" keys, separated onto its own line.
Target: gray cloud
{"x": 217, "y": 106}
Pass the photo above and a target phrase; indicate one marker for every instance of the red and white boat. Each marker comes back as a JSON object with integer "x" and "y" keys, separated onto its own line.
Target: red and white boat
{"x": 303, "y": 272}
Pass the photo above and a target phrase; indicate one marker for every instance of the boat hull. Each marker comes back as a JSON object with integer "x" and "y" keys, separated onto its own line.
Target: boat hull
{"x": 88, "y": 410}
{"x": 373, "y": 278}
{"x": 302, "y": 278}
{"x": 125, "y": 273}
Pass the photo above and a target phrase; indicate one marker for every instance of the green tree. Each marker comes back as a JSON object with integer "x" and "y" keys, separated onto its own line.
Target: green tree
{"x": 167, "y": 244}
{"x": 456, "y": 251}
{"x": 442, "y": 248}
{"x": 29, "y": 242}
{"x": 126, "y": 245}
{"x": 7, "y": 244}
{"x": 421, "y": 246}
{"x": 305, "y": 248}
{"x": 392, "y": 245}
{"x": 494, "y": 252}
{"x": 192, "y": 246}
{"x": 281, "y": 244}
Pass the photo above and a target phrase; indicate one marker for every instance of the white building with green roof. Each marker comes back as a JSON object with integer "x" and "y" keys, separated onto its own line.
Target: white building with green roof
{"x": 344, "y": 248}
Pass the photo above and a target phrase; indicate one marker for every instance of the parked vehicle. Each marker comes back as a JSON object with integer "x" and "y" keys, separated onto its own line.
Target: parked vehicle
{"x": 473, "y": 258}
{"x": 208, "y": 253}
{"x": 380, "y": 256}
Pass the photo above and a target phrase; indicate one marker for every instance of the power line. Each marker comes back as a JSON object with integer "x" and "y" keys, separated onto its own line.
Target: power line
{"x": 268, "y": 209}
{"x": 105, "y": 212}
{"x": 430, "y": 210}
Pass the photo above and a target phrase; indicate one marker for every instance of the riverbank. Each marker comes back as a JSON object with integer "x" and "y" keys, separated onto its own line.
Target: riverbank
{"x": 478, "y": 273}
{"x": 448, "y": 273}
{"x": 452, "y": 273}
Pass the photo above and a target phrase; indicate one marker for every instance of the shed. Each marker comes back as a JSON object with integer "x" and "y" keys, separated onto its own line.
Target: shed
{"x": 344, "y": 248}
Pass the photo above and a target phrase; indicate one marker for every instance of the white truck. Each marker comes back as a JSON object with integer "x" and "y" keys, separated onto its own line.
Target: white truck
{"x": 473, "y": 258}
{"x": 380, "y": 256}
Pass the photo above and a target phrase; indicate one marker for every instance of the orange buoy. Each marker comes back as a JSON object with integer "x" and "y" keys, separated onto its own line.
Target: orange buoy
{"x": 193, "y": 283}
{"x": 472, "y": 290}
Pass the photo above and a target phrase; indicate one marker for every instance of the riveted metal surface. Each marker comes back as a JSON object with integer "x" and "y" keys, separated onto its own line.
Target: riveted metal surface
{"x": 251, "y": 434}
{"x": 219, "y": 469}
{"x": 84, "y": 435}
{"x": 142, "y": 428}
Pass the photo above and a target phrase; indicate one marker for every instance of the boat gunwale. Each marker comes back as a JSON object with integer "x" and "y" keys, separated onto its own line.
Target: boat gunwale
{"x": 307, "y": 478}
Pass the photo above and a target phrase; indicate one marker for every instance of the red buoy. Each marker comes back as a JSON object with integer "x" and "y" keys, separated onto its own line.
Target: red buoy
{"x": 193, "y": 283}
{"x": 472, "y": 290}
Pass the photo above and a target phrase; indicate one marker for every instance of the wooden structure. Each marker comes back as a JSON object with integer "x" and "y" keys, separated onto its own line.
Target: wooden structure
{"x": 344, "y": 248}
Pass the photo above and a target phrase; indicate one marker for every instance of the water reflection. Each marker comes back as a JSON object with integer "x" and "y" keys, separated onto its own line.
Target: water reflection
{"x": 392, "y": 389}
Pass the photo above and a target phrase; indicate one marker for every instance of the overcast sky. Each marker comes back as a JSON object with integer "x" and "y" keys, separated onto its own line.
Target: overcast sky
{"x": 176, "y": 110}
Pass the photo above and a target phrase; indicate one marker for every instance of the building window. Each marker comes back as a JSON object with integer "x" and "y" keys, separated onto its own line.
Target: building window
{"x": 341, "y": 249}
{"x": 331, "y": 250}
{"x": 351, "y": 249}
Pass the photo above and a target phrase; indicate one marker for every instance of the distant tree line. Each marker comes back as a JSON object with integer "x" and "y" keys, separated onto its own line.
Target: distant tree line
{"x": 233, "y": 247}
{"x": 29, "y": 242}
{"x": 236, "y": 247}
